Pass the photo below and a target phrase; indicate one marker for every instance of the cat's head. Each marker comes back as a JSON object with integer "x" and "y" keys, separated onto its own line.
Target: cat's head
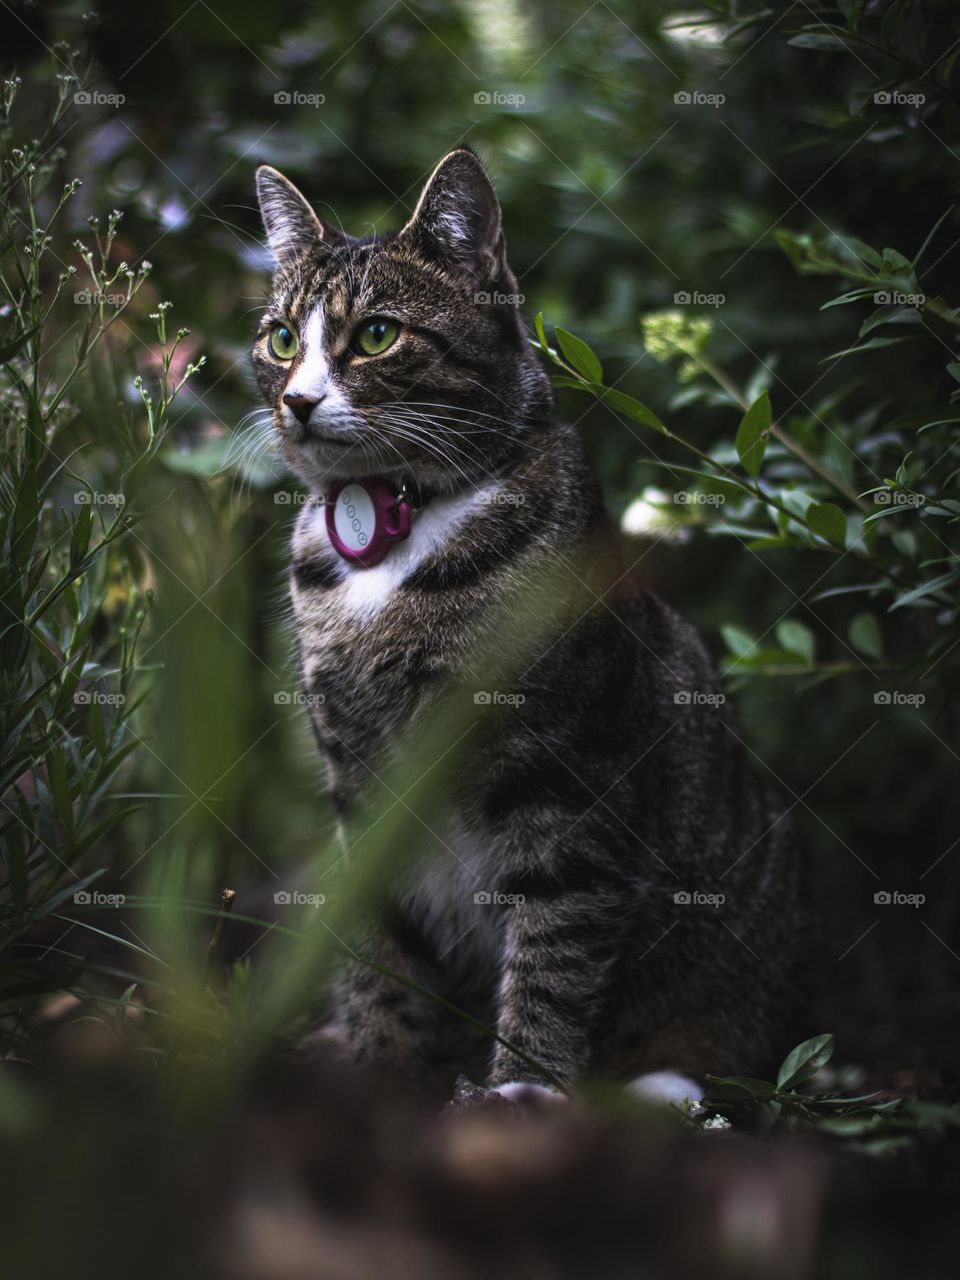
{"x": 401, "y": 353}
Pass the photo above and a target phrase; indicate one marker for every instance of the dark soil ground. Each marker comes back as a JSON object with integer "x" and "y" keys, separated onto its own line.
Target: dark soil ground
{"x": 110, "y": 1171}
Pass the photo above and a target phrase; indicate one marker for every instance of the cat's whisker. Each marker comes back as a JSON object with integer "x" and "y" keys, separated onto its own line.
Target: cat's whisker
{"x": 509, "y": 427}
{"x": 252, "y": 441}
{"x": 421, "y": 425}
{"x": 423, "y": 422}
{"x": 436, "y": 404}
{"x": 403, "y": 431}
{"x": 458, "y": 460}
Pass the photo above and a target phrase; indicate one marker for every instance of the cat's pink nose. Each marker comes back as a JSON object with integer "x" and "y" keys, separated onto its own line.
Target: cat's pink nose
{"x": 302, "y": 406}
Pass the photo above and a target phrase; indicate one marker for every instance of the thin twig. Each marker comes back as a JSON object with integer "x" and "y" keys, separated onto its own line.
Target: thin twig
{"x": 226, "y": 905}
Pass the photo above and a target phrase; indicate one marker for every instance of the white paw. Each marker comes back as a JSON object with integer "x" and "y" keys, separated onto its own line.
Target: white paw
{"x": 525, "y": 1092}
{"x": 665, "y": 1086}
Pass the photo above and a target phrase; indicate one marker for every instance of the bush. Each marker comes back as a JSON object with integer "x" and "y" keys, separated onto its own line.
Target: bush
{"x": 77, "y": 444}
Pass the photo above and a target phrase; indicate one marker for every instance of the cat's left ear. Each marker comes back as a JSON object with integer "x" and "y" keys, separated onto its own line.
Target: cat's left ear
{"x": 290, "y": 223}
{"x": 457, "y": 218}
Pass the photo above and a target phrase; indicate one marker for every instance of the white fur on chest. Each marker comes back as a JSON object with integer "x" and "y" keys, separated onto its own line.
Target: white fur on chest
{"x": 364, "y": 592}
{"x": 453, "y": 892}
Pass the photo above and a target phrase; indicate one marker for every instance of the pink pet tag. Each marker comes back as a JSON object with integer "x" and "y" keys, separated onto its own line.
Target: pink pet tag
{"x": 365, "y": 518}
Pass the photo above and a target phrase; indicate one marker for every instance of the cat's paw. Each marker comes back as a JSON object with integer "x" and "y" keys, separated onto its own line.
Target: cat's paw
{"x": 668, "y": 1087}
{"x": 468, "y": 1096}
{"x": 328, "y": 1043}
{"x": 509, "y": 1099}
{"x": 527, "y": 1094}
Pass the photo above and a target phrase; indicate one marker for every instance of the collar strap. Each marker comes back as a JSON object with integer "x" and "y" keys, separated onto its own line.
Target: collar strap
{"x": 366, "y": 517}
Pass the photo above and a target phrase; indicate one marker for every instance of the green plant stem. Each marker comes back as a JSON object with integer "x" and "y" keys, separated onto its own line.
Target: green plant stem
{"x": 750, "y": 486}
{"x": 726, "y": 384}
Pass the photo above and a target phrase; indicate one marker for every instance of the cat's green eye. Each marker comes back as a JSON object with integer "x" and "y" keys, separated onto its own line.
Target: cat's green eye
{"x": 283, "y": 343}
{"x": 376, "y": 336}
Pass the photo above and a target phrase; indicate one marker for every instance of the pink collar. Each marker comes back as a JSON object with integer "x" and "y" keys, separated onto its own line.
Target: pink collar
{"x": 366, "y": 517}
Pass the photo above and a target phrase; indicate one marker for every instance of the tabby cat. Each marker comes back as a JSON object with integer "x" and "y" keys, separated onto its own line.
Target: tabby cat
{"x": 615, "y": 894}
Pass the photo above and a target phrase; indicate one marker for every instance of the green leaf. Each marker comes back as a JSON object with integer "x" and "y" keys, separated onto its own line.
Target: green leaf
{"x": 632, "y": 408}
{"x": 894, "y": 260}
{"x": 617, "y": 400}
{"x": 797, "y": 638}
{"x": 828, "y": 521}
{"x": 64, "y": 893}
{"x": 10, "y": 349}
{"x": 865, "y": 252}
{"x": 850, "y": 1126}
{"x": 930, "y": 234}
{"x": 734, "y": 1088}
{"x": 541, "y": 332}
{"x": 126, "y": 997}
{"x": 807, "y": 1058}
{"x": 905, "y": 542}
{"x": 865, "y": 636}
{"x": 851, "y": 11}
{"x": 80, "y": 538}
{"x": 793, "y": 246}
{"x": 872, "y": 344}
{"x": 579, "y": 355}
{"x": 933, "y": 1114}
{"x": 60, "y": 785}
{"x": 888, "y": 315}
{"x": 772, "y": 542}
{"x": 853, "y": 296}
{"x": 920, "y": 593}
{"x": 817, "y": 40}
{"x": 737, "y": 640}
{"x": 768, "y": 659}
{"x": 751, "y": 441}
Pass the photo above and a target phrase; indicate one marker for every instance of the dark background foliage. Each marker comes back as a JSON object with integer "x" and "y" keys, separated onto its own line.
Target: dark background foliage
{"x": 617, "y": 197}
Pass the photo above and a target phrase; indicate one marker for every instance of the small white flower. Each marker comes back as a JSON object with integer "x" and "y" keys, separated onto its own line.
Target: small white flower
{"x": 717, "y": 1123}
{"x": 653, "y": 514}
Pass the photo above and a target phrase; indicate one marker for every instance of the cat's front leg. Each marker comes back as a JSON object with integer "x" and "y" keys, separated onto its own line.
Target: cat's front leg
{"x": 562, "y": 943}
{"x": 381, "y": 1021}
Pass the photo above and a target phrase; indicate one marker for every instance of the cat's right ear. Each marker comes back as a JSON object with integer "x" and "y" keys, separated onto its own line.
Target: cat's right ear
{"x": 290, "y": 223}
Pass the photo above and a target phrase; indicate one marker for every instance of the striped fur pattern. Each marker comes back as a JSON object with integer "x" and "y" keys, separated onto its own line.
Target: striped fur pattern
{"x": 552, "y": 903}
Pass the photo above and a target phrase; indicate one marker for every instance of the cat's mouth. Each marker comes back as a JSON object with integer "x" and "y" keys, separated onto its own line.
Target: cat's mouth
{"x": 324, "y": 452}
{"x": 335, "y": 442}
{"x": 349, "y": 447}
{"x": 321, "y": 437}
